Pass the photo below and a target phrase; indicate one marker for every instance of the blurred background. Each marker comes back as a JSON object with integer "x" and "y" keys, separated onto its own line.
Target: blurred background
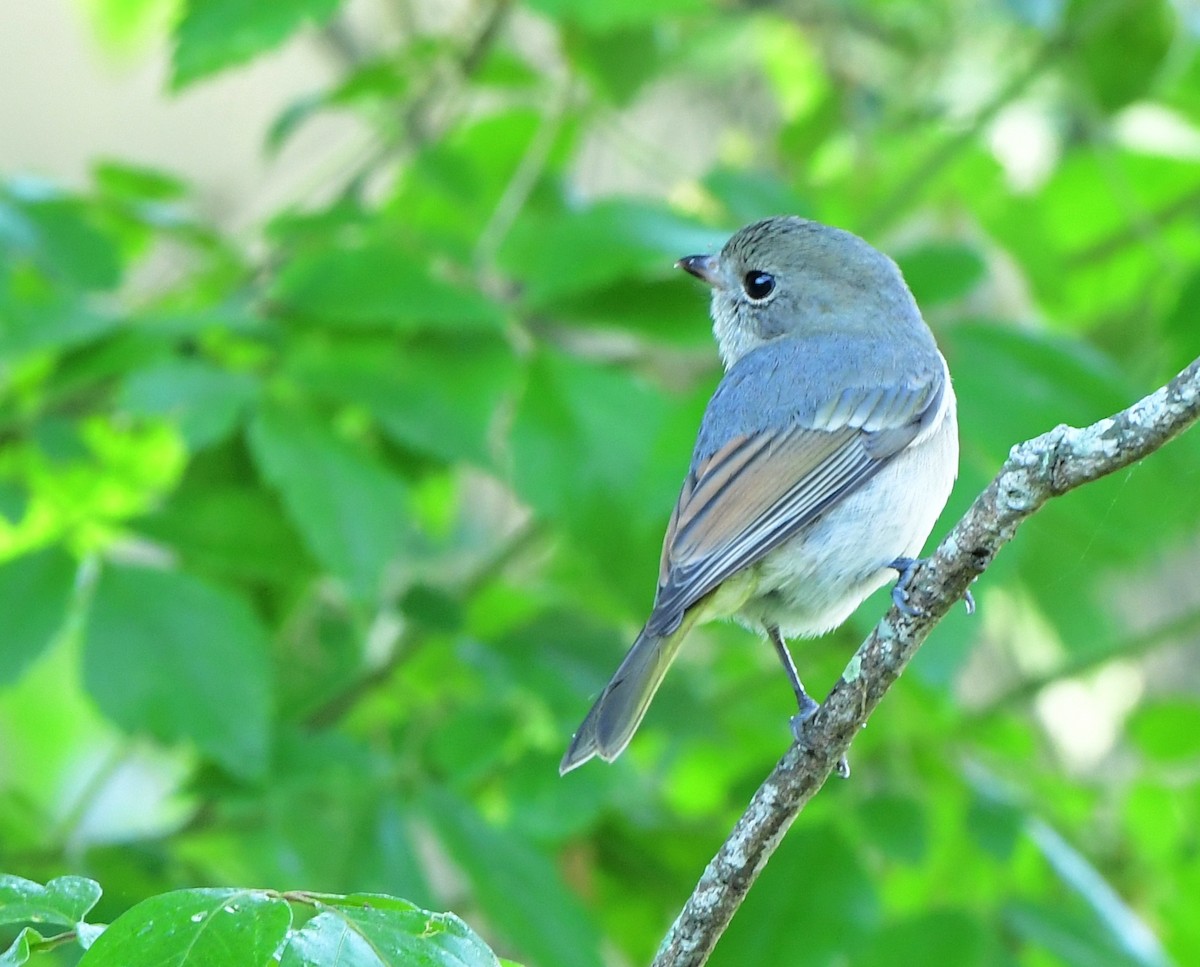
{"x": 346, "y": 387}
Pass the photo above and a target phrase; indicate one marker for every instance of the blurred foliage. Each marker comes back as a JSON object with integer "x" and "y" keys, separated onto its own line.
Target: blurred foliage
{"x": 316, "y": 546}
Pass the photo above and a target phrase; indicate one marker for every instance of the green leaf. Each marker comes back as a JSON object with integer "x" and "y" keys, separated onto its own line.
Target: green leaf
{"x": 933, "y": 937}
{"x": 1122, "y": 47}
{"x": 206, "y": 401}
{"x": 1013, "y": 385}
{"x": 18, "y": 951}
{"x": 370, "y": 930}
{"x": 35, "y": 591}
{"x": 171, "y": 656}
{"x": 1167, "y": 731}
{"x": 365, "y": 284}
{"x": 618, "y": 61}
{"x": 347, "y": 507}
{"x": 125, "y": 24}
{"x": 120, "y": 179}
{"x": 994, "y": 823}
{"x": 616, "y": 13}
{"x": 517, "y": 887}
{"x": 195, "y": 928}
{"x": 63, "y": 902}
{"x": 228, "y": 532}
{"x": 896, "y": 824}
{"x": 72, "y": 248}
{"x": 437, "y": 396}
{"x": 569, "y": 253}
{"x": 582, "y": 430}
{"x": 749, "y": 195}
{"x": 808, "y": 907}
{"x": 941, "y": 271}
{"x": 215, "y": 34}
{"x": 38, "y": 316}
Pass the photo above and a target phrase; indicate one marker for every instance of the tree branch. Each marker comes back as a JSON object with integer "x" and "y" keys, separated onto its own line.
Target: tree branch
{"x": 1035, "y": 471}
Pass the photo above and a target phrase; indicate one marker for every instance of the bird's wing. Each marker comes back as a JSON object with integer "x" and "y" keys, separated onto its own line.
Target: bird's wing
{"x": 759, "y": 487}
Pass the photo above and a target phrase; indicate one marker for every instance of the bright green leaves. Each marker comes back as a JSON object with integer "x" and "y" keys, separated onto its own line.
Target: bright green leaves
{"x": 933, "y": 937}
{"x": 69, "y": 243}
{"x": 173, "y": 657}
{"x": 54, "y": 248}
{"x": 941, "y": 271}
{"x": 369, "y": 930}
{"x": 346, "y": 505}
{"x": 62, "y": 902}
{"x": 600, "y": 451}
{"x": 34, "y": 593}
{"x": 564, "y": 255}
{"x": 381, "y": 284}
{"x": 215, "y": 34}
{"x": 616, "y": 13}
{"x": 205, "y": 401}
{"x": 60, "y": 905}
{"x": 582, "y": 431}
{"x": 195, "y": 928}
{"x": 437, "y": 395}
{"x": 404, "y": 460}
{"x": 241, "y": 928}
{"x": 1124, "y": 45}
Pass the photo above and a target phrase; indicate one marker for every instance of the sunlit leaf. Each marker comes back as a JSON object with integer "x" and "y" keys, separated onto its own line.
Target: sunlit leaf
{"x": 34, "y": 593}
{"x": 194, "y": 928}
{"x": 62, "y": 902}
{"x": 368, "y": 930}
{"x": 215, "y": 34}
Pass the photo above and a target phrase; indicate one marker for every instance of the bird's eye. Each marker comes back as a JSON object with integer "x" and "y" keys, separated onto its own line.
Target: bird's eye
{"x": 758, "y": 285}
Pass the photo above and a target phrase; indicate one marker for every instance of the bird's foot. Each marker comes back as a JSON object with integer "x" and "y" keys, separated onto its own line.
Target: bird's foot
{"x": 800, "y": 723}
{"x": 906, "y": 567}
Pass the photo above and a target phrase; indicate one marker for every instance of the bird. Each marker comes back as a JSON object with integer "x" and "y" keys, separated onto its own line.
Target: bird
{"x": 822, "y": 461}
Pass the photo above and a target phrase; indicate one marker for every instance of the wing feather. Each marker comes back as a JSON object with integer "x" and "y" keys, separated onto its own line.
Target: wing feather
{"x": 758, "y": 488}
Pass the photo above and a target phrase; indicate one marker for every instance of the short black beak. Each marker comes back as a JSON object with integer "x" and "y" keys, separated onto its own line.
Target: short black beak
{"x": 703, "y": 267}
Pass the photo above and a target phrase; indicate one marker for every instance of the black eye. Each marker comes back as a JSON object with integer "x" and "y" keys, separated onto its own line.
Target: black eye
{"x": 758, "y": 285}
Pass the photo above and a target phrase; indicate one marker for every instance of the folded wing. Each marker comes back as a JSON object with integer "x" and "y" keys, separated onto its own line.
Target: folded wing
{"x": 747, "y": 495}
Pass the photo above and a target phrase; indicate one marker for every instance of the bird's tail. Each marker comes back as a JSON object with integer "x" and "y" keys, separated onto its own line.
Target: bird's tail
{"x": 618, "y": 711}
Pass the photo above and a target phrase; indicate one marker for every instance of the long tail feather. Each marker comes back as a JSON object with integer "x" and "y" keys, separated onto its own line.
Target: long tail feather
{"x": 618, "y": 711}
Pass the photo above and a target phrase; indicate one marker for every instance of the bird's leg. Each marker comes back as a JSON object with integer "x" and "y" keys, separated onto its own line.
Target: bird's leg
{"x": 808, "y": 705}
{"x": 906, "y": 567}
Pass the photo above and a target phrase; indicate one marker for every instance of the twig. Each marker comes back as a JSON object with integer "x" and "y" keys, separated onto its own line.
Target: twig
{"x": 524, "y": 179}
{"x": 1045, "y": 467}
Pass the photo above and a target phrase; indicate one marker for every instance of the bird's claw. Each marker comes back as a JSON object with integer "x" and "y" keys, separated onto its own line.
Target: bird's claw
{"x": 906, "y": 567}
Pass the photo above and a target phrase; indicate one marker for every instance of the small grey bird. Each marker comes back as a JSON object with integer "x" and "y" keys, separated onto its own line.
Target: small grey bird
{"x": 823, "y": 460}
